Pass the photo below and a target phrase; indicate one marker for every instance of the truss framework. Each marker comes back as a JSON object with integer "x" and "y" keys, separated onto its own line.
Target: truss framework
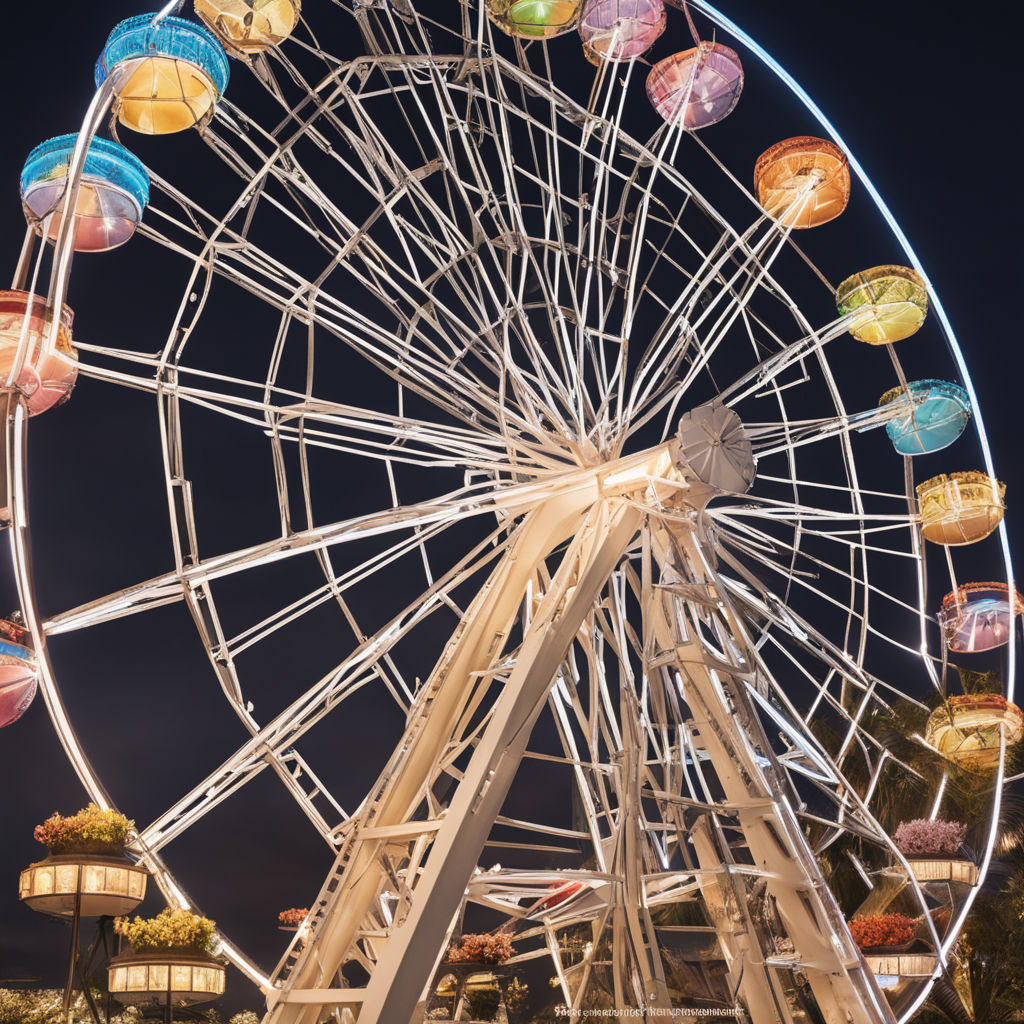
{"x": 545, "y": 294}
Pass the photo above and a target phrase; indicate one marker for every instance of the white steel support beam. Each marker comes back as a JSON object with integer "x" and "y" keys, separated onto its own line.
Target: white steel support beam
{"x": 598, "y": 508}
{"x": 414, "y": 947}
{"x": 842, "y": 984}
{"x": 632, "y": 914}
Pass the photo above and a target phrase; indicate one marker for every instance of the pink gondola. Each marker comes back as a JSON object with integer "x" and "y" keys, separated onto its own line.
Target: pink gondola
{"x": 17, "y": 672}
{"x": 978, "y": 617}
{"x": 48, "y": 372}
{"x": 619, "y": 30}
{"x": 698, "y": 87}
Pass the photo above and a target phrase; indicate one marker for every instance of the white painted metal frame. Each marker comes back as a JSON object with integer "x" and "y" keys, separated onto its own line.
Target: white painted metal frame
{"x": 505, "y": 252}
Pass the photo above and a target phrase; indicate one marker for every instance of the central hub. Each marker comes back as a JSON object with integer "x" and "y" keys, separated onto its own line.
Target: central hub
{"x": 716, "y": 449}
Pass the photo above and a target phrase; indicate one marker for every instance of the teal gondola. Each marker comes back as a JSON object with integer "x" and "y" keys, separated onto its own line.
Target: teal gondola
{"x": 931, "y": 418}
{"x": 172, "y": 73}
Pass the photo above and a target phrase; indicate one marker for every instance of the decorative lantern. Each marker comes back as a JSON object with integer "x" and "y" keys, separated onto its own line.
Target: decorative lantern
{"x": 891, "y": 970}
{"x": 930, "y": 418}
{"x": 178, "y": 977}
{"x": 966, "y": 730}
{"x": 169, "y": 75}
{"x": 113, "y": 191}
{"x": 17, "y": 672}
{"x": 960, "y": 508}
{"x": 47, "y": 374}
{"x": 802, "y": 182}
{"x": 619, "y": 30}
{"x": 249, "y": 26}
{"x": 534, "y": 19}
{"x": 697, "y": 87}
{"x": 886, "y": 304}
{"x": 103, "y": 885}
{"x": 947, "y": 870}
{"x": 979, "y": 616}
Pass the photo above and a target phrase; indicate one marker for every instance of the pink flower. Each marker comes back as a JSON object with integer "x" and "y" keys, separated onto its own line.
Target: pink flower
{"x": 921, "y": 838}
{"x": 481, "y": 949}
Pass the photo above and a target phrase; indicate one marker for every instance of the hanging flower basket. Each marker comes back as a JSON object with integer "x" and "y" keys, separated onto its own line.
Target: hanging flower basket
{"x": 931, "y": 849}
{"x": 87, "y": 865}
{"x": 183, "y": 976}
{"x": 488, "y": 950}
{"x": 170, "y": 959}
{"x": 290, "y": 920}
{"x": 886, "y": 941}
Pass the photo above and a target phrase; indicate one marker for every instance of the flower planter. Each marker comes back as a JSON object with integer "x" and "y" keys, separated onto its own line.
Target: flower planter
{"x": 291, "y": 920}
{"x": 474, "y": 967}
{"x": 883, "y": 935}
{"x": 108, "y": 885}
{"x": 88, "y": 848}
{"x": 480, "y": 949}
{"x": 892, "y": 950}
{"x": 184, "y": 976}
{"x": 944, "y": 869}
{"x": 966, "y": 730}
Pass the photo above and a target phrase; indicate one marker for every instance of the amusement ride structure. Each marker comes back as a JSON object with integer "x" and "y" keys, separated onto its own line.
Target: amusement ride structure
{"x": 581, "y": 402}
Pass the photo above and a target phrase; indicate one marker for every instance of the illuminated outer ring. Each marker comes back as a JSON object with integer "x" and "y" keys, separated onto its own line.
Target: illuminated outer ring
{"x": 954, "y": 347}
{"x": 19, "y": 534}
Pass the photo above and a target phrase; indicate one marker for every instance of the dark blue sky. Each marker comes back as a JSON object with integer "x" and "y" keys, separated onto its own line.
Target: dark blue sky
{"x": 928, "y": 100}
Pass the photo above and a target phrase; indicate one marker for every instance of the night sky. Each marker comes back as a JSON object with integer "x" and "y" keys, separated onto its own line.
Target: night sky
{"x": 927, "y": 100}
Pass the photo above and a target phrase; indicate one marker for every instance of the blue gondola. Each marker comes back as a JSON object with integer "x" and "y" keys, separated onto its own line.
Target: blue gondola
{"x": 113, "y": 191}
{"x": 933, "y": 416}
{"x": 171, "y": 74}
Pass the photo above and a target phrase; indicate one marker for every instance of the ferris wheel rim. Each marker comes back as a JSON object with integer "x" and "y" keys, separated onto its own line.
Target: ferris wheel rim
{"x": 950, "y": 338}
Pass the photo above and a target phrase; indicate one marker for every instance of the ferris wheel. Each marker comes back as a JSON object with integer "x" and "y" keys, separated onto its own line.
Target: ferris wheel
{"x": 565, "y": 458}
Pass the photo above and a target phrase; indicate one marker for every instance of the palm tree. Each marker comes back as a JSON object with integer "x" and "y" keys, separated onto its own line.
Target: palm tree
{"x": 910, "y": 779}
